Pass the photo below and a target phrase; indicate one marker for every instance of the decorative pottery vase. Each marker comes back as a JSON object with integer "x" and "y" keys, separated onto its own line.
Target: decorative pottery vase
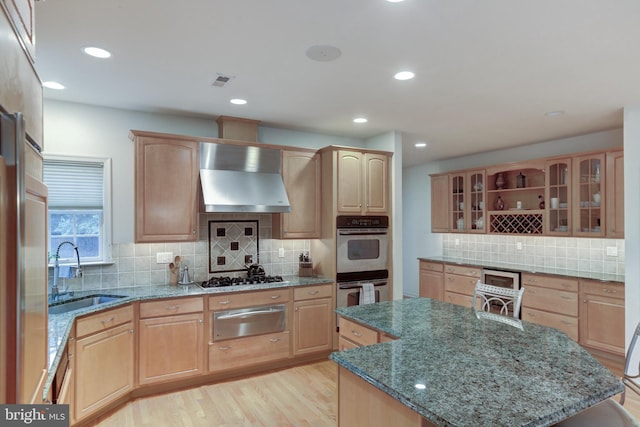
{"x": 500, "y": 181}
{"x": 499, "y": 204}
{"x": 541, "y": 202}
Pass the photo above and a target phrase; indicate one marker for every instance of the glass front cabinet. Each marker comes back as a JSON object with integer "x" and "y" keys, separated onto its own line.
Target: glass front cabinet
{"x": 558, "y": 202}
{"x": 467, "y": 202}
{"x": 588, "y": 195}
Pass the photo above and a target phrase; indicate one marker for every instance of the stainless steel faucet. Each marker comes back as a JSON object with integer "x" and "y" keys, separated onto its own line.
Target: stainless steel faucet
{"x": 55, "y": 294}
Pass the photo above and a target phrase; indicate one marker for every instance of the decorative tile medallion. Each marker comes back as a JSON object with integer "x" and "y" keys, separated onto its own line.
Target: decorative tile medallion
{"x": 232, "y": 245}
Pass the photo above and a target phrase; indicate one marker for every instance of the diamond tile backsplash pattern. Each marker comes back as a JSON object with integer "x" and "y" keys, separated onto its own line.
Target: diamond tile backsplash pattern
{"x": 570, "y": 253}
{"x": 232, "y": 245}
{"x": 135, "y": 264}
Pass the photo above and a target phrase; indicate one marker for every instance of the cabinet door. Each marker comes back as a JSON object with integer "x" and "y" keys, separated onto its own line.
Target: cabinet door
{"x": 456, "y": 202}
{"x": 589, "y": 196}
{"x": 349, "y": 181}
{"x": 301, "y": 175}
{"x": 431, "y": 284}
{"x": 558, "y": 203}
{"x": 602, "y": 316}
{"x": 475, "y": 208}
{"x": 166, "y": 190}
{"x": 21, "y": 13}
{"x": 615, "y": 194}
{"x": 376, "y": 180}
{"x": 312, "y": 326}
{"x": 231, "y": 354}
{"x": 170, "y": 348}
{"x": 104, "y": 368}
{"x": 439, "y": 210}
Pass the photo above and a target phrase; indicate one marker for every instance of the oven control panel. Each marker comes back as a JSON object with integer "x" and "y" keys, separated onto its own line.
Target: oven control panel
{"x": 347, "y": 221}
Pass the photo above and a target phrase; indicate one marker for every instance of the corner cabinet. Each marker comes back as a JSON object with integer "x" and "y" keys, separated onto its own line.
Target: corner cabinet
{"x": 301, "y": 173}
{"x": 363, "y": 182}
{"x": 166, "y": 186}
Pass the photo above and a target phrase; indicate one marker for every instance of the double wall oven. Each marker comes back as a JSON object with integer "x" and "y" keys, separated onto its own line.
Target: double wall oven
{"x": 362, "y": 245}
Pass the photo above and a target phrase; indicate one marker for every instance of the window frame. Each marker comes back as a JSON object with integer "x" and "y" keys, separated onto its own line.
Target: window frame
{"x": 106, "y": 224}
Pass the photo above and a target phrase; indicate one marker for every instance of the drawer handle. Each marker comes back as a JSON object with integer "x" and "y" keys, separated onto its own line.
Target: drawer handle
{"x": 275, "y": 296}
{"x": 356, "y": 333}
{"x": 566, "y": 322}
{"x": 274, "y": 340}
{"x": 225, "y": 302}
{"x": 531, "y": 291}
{"x": 314, "y": 292}
{"x": 531, "y": 315}
{"x": 225, "y": 348}
{"x": 565, "y": 297}
{"x": 110, "y": 319}
{"x": 609, "y": 291}
{"x": 172, "y": 307}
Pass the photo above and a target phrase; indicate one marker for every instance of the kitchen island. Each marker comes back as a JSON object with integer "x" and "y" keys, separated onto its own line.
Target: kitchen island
{"x": 449, "y": 367}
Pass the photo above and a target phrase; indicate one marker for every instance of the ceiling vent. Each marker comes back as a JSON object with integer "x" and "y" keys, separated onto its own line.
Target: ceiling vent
{"x": 222, "y": 80}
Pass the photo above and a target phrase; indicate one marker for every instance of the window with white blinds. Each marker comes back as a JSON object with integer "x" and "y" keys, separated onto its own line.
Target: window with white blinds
{"x": 79, "y": 208}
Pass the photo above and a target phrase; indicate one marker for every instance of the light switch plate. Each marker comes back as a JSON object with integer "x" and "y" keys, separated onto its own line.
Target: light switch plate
{"x": 612, "y": 251}
{"x": 519, "y": 246}
{"x": 164, "y": 257}
{"x": 280, "y": 252}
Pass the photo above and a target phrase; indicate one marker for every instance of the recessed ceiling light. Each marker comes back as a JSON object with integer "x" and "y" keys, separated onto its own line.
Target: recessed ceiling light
{"x": 96, "y": 52}
{"x": 404, "y": 75}
{"x": 554, "y": 113}
{"x": 238, "y": 101}
{"x": 395, "y": 1}
{"x": 360, "y": 120}
{"x": 53, "y": 85}
{"x": 420, "y": 144}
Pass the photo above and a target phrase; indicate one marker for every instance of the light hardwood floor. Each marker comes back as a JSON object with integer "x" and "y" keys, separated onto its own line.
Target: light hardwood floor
{"x": 300, "y": 396}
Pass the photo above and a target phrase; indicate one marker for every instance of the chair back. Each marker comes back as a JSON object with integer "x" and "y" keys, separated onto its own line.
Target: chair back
{"x": 631, "y": 375}
{"x": 496, "y": 299}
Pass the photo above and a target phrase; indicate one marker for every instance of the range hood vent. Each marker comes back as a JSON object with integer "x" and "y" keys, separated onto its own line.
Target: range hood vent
{"x": 242, "y": 178}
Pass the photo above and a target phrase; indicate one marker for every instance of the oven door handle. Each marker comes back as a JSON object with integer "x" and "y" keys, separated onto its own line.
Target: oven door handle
{"x": 356, "y": 286}
{"x": 247, "y": 314}
{"x": 361, "y": 233}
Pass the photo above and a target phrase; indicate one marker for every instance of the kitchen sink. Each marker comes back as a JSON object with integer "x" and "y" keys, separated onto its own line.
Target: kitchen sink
{"x": 84, "y": 302}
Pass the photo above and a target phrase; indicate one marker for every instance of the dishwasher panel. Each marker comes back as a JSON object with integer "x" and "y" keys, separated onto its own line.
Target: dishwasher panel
{"x": 245, "y": 322}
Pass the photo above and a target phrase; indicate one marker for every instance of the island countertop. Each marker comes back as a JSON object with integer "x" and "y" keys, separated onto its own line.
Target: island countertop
{"x": 474, "y": 371}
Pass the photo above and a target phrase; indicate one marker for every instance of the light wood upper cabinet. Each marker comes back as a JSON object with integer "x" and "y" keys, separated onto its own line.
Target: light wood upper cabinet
{"x": 558, "y": 203}
{"x": 166, "y": 189}
{"x": 589, "y": 198}
{"x": 301, "y": 174}
{"x": 21, "y": 13}
{"x": 439, "y": 209}
{"x": 615, "y": 194}
{"x": 363, "y": 182}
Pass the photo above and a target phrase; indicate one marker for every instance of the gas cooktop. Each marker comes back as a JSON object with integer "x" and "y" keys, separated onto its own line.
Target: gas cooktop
{"x": 216, "y": 282}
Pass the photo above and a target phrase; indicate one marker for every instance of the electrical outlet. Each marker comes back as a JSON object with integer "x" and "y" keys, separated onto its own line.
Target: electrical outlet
{"x": 457, "y": 242}
{"x": 164, "y": 257}
{"x": 612, "y": 251}
{"x": 519, "y": 246}
{"x": 280, "y": 252}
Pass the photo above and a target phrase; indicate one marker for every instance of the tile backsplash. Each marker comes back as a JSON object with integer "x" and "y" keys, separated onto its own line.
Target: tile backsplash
{"x": 581, "y": 254}
{"x": 134, "y": 264}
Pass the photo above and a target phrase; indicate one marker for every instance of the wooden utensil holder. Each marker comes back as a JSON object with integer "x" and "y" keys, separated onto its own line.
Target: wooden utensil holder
{"x": 305, "y": 269}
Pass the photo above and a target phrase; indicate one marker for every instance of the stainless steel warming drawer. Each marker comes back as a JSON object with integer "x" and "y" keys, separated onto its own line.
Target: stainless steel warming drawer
{"x": 244, "y": 322}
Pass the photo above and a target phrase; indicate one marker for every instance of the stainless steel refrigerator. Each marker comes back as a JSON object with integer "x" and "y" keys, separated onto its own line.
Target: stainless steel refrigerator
{"x": 23, "y": 264}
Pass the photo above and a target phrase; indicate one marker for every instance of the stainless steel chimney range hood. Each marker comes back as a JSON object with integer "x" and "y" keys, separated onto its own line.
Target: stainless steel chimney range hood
{"x": 242, "y": 178}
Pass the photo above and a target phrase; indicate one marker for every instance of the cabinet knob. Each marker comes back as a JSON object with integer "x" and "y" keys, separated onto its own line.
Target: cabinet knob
{"x": 200, "y": 321}
{"x": 274, "y": 340}
{"x": 172, "y": 307}
{"x": 356, "y": 333}
{"x": 275, "y": 296}
{"x": 225, "y": 348}
{"x": 313, "y": 292}
{"x": 110, "y": 319}
{"x": 131, "y": 331}
{"x": 193, "y": 231}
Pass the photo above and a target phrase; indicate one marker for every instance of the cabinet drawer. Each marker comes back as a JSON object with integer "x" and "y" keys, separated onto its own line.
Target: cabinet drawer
{"x": 357, "y": 333}
{"x": 104, "y": 320}
{"x": 605, "y": 289}
{"x": 234, "y": 300}
{"x": 345, "y": 344}
{"x": 551, "y": 300}
{"x": 567, "y": 324}
{"x": 463, "y": 270}
{"x": 168, "y": 307}
{"x": 225, "y": 355}
{"x": 312, "y": 292}
{"x": 431, "y": 266}
{"x": 458, "y": 299}
{"x": 551, "y": 282}
{"x": 460, "y": 284}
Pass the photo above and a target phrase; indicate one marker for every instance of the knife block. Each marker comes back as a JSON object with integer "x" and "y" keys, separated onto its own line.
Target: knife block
{"x": 305, "y": 269}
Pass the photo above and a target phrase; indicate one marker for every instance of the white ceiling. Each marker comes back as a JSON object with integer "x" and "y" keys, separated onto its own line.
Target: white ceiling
{"x": 486, "y": 71}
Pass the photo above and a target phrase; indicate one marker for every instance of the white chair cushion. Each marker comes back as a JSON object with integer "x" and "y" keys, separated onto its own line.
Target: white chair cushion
{"x": 608, "y": 413}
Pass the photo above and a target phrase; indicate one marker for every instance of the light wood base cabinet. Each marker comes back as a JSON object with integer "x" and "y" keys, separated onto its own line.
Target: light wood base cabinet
{"x": 602, "y": 316}
{"x": 104, "y": 368}
{"x": 460, "y": 283}
{"x": 237, "y": 353}
{"x": 432, "y": 280}
{"x": 312, "y": 316}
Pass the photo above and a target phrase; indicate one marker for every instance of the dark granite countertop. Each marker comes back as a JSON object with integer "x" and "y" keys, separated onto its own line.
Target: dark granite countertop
{"x": 607, "y": 277}
{"x": 476, "y": 371}
{"x": 60, "y": 324}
